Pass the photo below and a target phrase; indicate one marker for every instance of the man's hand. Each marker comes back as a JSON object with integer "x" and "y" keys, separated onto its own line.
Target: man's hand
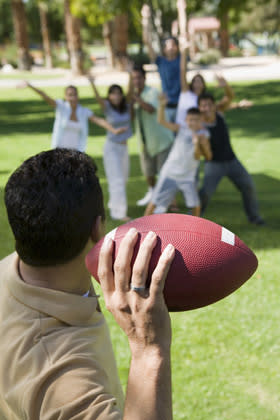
{"x": 142, "y": 315}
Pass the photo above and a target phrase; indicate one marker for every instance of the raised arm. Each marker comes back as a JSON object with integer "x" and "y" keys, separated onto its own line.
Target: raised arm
{"x": 100, "y": 100}
{"x": 146, "y": 16}
{"x": 143, "y": 316}
{"x": 47, "y": 98}
{"x": 104, "y": 124}
{"x": 183, "y": 69}
{"x": 225, "y": 102}
{"x": 161, "y": 114}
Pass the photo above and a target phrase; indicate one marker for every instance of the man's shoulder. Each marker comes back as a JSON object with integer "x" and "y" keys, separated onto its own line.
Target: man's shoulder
{"x": 7, "y": 261}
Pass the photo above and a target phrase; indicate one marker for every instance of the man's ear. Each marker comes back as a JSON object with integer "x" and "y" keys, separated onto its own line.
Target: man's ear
{"x": 98, "y": 230}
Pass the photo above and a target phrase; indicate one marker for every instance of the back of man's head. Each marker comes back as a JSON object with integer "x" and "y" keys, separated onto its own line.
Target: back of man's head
{"x": 53, "y": 200}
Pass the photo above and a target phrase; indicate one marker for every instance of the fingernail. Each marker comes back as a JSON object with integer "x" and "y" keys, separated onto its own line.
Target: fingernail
{"x": 131, "y": 231}
{"x": 107, "y": 241}
{"x": 150, "y": 235}
{"x": 168, "y": 251}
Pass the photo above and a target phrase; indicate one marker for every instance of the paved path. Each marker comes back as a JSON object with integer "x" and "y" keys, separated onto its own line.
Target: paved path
{"x": 233, "y": 69}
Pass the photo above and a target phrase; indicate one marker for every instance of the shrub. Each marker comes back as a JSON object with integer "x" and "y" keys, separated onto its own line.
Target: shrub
{"x": 8, "y": 54}
{"x": 211, "y": 56}
{"x": 235, "y": 52}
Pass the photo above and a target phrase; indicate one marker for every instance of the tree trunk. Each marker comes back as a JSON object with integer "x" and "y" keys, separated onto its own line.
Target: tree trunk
{"x": 45, "y": 35}
{"x": 224, "y": 33}
{"x": 107, "y": 36}
{"x": 74, "y": 41}
{"x": 120, "y": 41}
{"x": 20, "y": 28}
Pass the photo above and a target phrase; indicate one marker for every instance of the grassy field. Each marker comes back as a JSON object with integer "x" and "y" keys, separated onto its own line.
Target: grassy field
{"x": 225, "y": 357}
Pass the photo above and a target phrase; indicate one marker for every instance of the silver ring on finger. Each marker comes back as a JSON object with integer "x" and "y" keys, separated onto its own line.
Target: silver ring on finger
{"x": 137, "y": 289}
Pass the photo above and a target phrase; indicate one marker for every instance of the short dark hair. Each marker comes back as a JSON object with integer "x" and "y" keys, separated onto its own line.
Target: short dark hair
{"x": 170, "y": 38}
{"x": 53, "y": 200}
{"x": 205, "y": 96}
{"x": 193, "y": 111}
{"x": 140, "y": 69}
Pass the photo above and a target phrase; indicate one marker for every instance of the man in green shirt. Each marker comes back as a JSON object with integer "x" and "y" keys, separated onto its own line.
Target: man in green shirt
{"x": 154, "y": 140}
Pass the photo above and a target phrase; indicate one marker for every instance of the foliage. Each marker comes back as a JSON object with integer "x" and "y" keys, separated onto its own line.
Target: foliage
{"x": 260, "y": 18}
{"x": 211, "y": 56}
{"x": 235, "y": 52}
{"x": 8, "y": 54}
{"x": 6, "y": 22}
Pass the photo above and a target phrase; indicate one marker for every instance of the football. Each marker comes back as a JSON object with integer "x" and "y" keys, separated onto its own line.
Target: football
{"x": 210, "y": 261}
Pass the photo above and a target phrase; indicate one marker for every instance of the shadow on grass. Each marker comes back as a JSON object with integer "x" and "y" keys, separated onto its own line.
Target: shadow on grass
{"x": 35, "y": 116}
{"x": 261, "y": 120}
{"x": 225, "y": 209}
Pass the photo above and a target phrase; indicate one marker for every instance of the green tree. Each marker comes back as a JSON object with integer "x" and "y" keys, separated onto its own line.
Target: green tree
{"x": 259, "y": 18}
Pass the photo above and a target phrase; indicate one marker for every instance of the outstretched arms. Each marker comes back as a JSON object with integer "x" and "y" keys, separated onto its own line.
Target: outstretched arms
{"x": 145, "y": 320}
{"x": 104, "y": 124}
{"x": 47, "y": 98}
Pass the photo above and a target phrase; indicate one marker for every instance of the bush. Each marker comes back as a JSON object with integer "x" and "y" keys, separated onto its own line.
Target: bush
{"x": 235, "y": 52}
{"x": 211, "y": 56}
{"x": 140, "y": 58}
{"x": 8, "y": 54}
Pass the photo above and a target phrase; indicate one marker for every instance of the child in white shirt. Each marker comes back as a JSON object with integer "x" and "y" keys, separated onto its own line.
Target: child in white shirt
{"x": 180, "y": 168}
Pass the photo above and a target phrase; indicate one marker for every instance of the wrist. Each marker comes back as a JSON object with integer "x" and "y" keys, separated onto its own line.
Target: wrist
{"x": 152, "y": 355}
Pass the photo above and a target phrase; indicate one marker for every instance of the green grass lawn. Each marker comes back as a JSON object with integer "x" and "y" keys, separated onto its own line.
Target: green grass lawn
{"x": 225, "y": 357}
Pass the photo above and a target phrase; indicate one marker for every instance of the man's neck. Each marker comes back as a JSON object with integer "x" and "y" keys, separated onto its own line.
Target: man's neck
{"x": 71, "y": 277}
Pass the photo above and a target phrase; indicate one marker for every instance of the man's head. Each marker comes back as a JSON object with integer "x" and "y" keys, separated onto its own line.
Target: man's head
{"x": 170, "y": 48}
{"x": 193, "y": 119}
{"x": 207, "y": 107}
{"x": 53, "y": 202}
{"x": 138, "y": 78}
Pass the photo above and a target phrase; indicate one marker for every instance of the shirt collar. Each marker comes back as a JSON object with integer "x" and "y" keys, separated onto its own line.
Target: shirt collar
{"x": 67, "y": 307}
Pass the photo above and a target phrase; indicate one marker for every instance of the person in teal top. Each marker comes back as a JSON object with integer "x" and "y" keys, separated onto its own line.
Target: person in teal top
{"x": 154, "y": 140}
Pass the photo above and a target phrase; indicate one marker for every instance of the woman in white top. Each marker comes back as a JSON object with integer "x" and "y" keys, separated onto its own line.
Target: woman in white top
{"x": 190, "y": 92}
{"x": 71, "y": 120}
{"x": 115, "y": 157}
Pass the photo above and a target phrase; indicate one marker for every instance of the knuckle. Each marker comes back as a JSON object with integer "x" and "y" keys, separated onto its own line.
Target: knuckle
{"x": 137, "y": 272}
{"x": 118, "y": 267}
{"x": 109, "y": 306}
{"x": 102, "y": 273}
